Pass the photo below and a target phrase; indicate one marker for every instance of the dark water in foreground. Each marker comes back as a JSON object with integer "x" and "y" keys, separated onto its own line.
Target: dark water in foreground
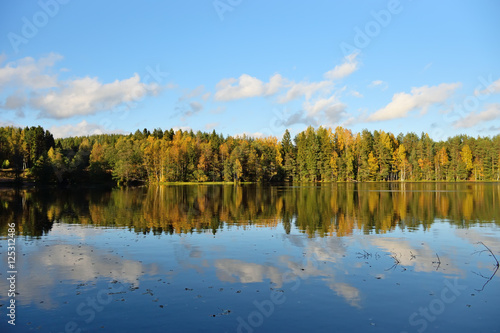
{"x": 223, "y": 258}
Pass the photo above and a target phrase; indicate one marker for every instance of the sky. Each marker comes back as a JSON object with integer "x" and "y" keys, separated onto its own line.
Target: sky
{"x": 251, "y": 67}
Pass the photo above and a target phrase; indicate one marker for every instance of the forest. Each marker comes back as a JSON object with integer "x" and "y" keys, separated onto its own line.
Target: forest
{"x": 314, "y": 155}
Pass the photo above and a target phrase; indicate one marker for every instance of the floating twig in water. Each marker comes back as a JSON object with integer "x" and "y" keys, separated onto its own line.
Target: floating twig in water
{"x": 364, "y": 255}
{"x": 489, "y": 250}
{"x": 437, "y": 262}
{"x": 496, "y": 266}
{"x": 396, "y": 262}
{"x": 367, "y": 255}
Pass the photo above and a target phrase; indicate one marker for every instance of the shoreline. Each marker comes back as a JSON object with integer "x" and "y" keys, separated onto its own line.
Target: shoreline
{"x": 12, "y": 184}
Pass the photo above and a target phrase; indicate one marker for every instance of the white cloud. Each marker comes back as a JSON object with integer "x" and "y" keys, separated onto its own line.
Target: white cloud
{"x": 88, "y": 96}
{"x": 28, "y": 73}
{"x": 351, "y": 294}
{"x": 306, "y": 89}
{"x": 35, "y": 86}
{"x": 493, "y": 88}
{"x": 276, "y": 82}
{"x": 81, "y": 129}
{"x": 247, "y": 86}
{"x": 405, "y": 252}
{"x": 17, "y": 101}
{"x": 72, "y": 264}
{"x": 472, "y": 119}
{"x": 349, "y": 66}
{"x": 327, "y": 111}
{"x": 419, "y": 98}
{"x": 232, "y": 270}
{"x": 319, "y": 106}
{"x": 3, "y": 57}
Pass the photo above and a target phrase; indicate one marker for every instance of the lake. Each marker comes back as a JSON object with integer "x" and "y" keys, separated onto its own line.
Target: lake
{"x": 355, "y": 257}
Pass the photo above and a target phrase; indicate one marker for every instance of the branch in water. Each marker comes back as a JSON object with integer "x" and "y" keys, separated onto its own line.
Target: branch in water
{"x": 496, "y": 269}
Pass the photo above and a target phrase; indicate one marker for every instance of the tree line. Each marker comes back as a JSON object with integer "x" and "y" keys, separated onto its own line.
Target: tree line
{"x": 314, "y": 155}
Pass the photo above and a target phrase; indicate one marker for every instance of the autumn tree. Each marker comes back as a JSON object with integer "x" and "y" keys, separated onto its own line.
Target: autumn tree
{"x": 466, "y": 156}
{"x": 289, "y": 157}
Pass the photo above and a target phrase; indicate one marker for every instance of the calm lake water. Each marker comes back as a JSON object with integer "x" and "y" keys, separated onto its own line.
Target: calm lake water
{"x": 377, "y": 257}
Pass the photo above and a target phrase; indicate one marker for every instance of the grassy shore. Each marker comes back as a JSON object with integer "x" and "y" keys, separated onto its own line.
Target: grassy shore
{"x": 8, "y": 180}
{"x": 202, "y": 183}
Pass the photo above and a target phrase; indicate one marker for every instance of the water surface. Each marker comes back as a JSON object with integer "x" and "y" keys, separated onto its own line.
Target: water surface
{"x": 378, "y": 257}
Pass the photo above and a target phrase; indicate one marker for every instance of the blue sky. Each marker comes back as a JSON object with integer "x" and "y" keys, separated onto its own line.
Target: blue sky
{"x": 254, "y": 67}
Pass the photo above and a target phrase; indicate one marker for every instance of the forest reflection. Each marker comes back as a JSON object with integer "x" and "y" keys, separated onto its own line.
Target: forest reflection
{"x": 337, "y": 209}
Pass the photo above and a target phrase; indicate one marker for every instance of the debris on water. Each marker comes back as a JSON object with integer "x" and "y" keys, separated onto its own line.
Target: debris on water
{"x": 148, "y": 291}
{"x": 222, "y": 313}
